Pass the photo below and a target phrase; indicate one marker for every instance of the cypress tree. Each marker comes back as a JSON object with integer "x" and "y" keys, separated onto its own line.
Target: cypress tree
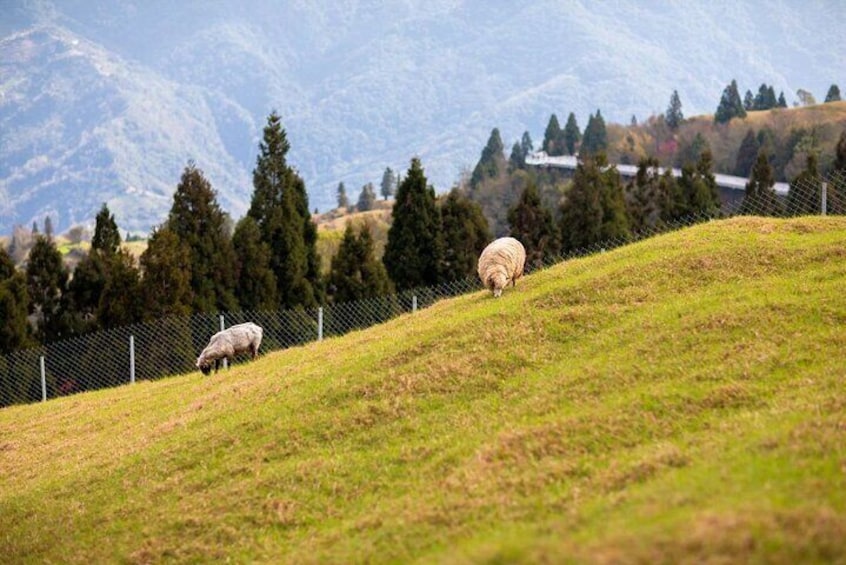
{"x": 355, "y": 273}
{"x": 166, "y": 276}
{"x": 674, "y": 116}
{"x": 517, "y": 160}
{"x": 595, "y": 139}
{"x": 551, "y": 137}
{"x": 414, "y": 251}
{"x": 47, "y": 279}
{"x": 746, "y": 154}
{"x": 532, "y": 224}
{"x": 388, "y": 183}
{"x": 581, "y": 211}
{"x": 280, "y": 208}
{"x": 120, "y": 304}
{"x": 572, "y": 135}
{"x": 492, "y": 161}
{"x": 106, "y": 234}
{"x": 343, "y": 201}
{"x": 760, "y": 198}
{"x": 526, "y": 145}
{"x": 198, "y": 221}
{"x": 731, "y": 106}
{"x": 644, "y": 205}
{"x": 255, "y": 285}
{"x": 15, "y": 331}
{"x": 465, "y": 234}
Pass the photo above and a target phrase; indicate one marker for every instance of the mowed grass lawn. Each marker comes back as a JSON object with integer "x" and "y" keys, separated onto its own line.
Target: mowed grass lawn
{"x": 681, "y": 399}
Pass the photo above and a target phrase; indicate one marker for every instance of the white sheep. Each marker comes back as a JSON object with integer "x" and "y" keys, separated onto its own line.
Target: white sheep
{"x": 501, "y": 262}
{"x": 226, "y": 344}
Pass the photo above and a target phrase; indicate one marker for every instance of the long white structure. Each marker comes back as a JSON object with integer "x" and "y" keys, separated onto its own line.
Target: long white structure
{"x": 541, "y": 159}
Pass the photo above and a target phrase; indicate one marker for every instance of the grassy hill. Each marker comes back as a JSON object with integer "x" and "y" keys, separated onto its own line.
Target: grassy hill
{"x": 677, "y": 400}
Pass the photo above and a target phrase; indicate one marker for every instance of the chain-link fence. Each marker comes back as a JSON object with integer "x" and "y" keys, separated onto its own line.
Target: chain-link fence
{"x": 170, "y": 346}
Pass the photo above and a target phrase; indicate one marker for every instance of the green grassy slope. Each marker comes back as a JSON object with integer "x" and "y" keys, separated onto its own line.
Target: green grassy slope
{"x": 680, "y": 399}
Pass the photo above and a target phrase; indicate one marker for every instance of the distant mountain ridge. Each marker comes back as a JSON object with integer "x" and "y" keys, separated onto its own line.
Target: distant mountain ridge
{"x": 107, "y": 101}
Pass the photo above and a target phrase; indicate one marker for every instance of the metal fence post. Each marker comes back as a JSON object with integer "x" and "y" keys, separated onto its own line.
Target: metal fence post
{"x": 132, "y": 359}
{"x": 43, "y": 381}
{"x": 320, "y": 323}
{"x": 223, "y": 327}
{"x": 824, "y": 198}
{"x": 414, "y": 303}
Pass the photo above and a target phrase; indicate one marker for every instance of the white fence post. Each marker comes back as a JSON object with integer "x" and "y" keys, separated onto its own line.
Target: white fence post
{"x": 414, "y": 303}
{"x": 43, "y": 381}
{"x": 823, "y": 197}
{"x": 223, "y": 327}
{"x": 320, "y": 323}
{"x": 132, "y": 359}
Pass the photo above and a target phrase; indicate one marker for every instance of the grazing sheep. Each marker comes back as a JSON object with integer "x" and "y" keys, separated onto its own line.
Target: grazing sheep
{"x": 226, "y": 344}
{"x": 501, "y": 262}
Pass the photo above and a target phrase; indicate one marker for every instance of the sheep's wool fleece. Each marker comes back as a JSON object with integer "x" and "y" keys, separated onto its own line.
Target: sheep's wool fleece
{"x": 501, "y": 262}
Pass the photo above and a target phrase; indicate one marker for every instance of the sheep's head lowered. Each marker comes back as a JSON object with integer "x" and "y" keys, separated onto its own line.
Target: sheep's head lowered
{"x": 500, "y": 263}
{"x": 226, "y": 344}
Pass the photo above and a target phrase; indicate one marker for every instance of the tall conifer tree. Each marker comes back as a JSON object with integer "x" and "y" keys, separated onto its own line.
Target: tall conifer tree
{"x": 572, "y": 134}
{"x": 355, "y": 273}
{"x": 465, "y": 234}
{"x": 255, "y": 286}
{"x": 731, "y": 106}
{"x": 759, "y": 198}
{"x": 280, "y": 208}
{"x": 47, "y": 279}
{"x": 492, "y": 161}
{"x": 166, "y": 276}
{"x": 198, "y": 221}
{"x": 532, "y": 224}
{"x": 414, "y": 251}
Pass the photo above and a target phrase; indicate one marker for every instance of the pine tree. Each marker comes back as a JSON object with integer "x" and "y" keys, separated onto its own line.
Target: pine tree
{"x": 120, "y": 304}
{"x": 355, "y": 273}
{"x": 730, "y": 105}
{"x": 572, "y": 135}
{"x": 746, "y": 154}
{"x": 343, "y": 201}
{"x": 367, "y": 198}
{"x": 255, "y": 285}
{"x": 644, "y": 204}
{"x": 414, "y": 251}
{"x": 388, "y": 183}
{"x": 532, "y": 224}
{"x": 782, "y": 101}
{"x": 748, "y": 101}
{"x": 165, "y": 276}
{"x": 526, "y": 145}
{"x": 760, "y": 198}
{"x": 280, "y": 208}
{"x": 581, "y": 212}
{"x": 15, "y": 331}
{"x": 516, "y": 160}
{"x": 551, "y": 136}
{"x": 805, "y": 191}
{"x": 48, "y": 226}
{"x": 198, "y": 221}
{"x": 492, "y": 161}
{"x": 833, "y": 94}
{"x": 595, "y": 139}
{"x": 465, "y": 234}
{"x": 47, "y": 279}
{"x": 106, "y": 234}
{"x": 674, "y": 116}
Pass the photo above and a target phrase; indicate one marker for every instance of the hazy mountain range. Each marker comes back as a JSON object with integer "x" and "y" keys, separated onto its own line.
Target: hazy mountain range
{"x": 107, "y": 100}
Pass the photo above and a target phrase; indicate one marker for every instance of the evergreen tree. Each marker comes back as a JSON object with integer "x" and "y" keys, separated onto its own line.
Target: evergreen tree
{"x": 198, "y": 221}
{"x": 106, "y": 234}
{"x": 280, "y": 208}
{"x": 595, "y": 139}
{"x": 343, "y": 201}
{"x": 833, "y": 94}
{"x": 551, "y": 136}
{"x": 367, "y": 198}
{"x": 492, "y": 161}
{"x": 48, "y": 226}
{"x": 594, "y": 210}
{"x": 15, "y": 331}
{"x": 746, "y": 155}
{"x": 465, "y": 234}
{"x": 730, "y": 105}
{"x": 165, "y": 288}
{"x": 255, "y": 286}
{"x": 414, "y": 251}
{"x": 46, "y": 280}
{"x": 748, "y": 101}
{"x": 120, "y": 303}
{"x": 388, "y": 183}
{"x": 782, "y": 101}
{"x": 760, "y": 198}
{"x": 355, "y": 273}
{"x": 804, "y": 195}
{"x": 526, "y": 145}
{"x": 517, "y": 159}
{"x": 532, "y": 224}
{"x": 644, "y": 203}
{"x": 674, "y": 116}
{"x": 572, "y": 134}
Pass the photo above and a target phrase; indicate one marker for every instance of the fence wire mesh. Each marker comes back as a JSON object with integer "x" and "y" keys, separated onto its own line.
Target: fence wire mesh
{"x": 170, "y": 346}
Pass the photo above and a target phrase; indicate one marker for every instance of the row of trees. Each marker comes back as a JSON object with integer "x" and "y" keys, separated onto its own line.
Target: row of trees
{"x": 367, "y": 196}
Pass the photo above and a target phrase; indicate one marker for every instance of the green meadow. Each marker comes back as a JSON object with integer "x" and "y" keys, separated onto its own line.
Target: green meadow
{"x": 681, "y": 399}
